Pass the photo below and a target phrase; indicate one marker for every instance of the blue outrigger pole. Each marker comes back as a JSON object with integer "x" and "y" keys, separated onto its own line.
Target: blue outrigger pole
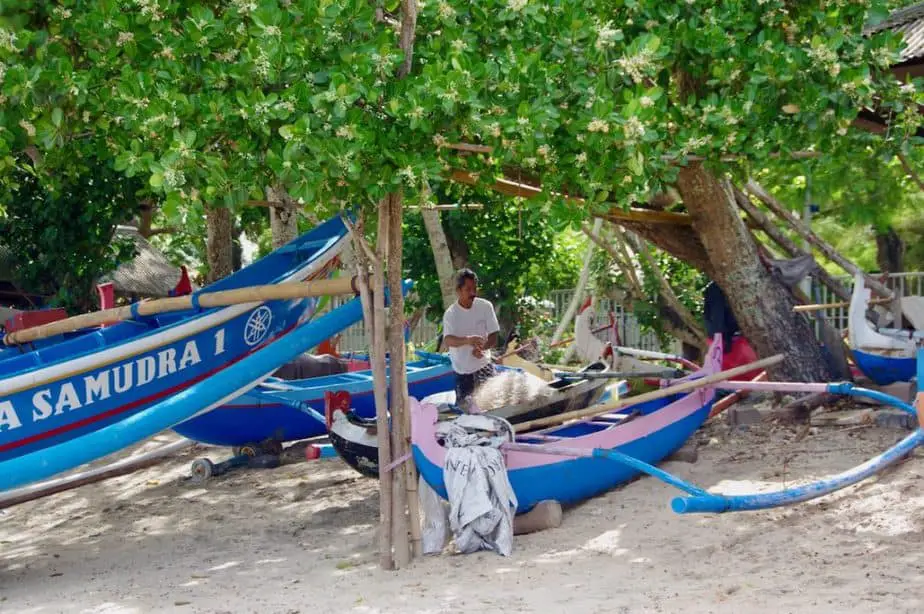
{"x": 703, "y": 502}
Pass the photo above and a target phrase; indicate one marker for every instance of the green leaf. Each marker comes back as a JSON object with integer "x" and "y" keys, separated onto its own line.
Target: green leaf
{"x": 156, "y": 180}
{"x": 57, "y": 115}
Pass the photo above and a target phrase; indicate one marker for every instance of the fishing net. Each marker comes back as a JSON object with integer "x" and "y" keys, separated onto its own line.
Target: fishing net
{"x": 510, "y": 388}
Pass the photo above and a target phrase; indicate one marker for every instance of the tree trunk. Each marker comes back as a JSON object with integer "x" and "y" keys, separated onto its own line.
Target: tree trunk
{"x": 677, "y": 240}
{"x": 578, "y": 295}
{"x": 890, "y": 251}
{"x": 283, "y": 220}
{"x": 441, "y": 254}
{"x": 762, "y": 306}
{"x": 219, "y": 229}
{"x": 458, "y": 249}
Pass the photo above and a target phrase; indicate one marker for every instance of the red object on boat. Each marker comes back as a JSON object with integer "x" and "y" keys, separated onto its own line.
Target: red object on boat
{"x": 184, "y": 286}
{"x": 741, "y": 354}
{"x": 28, "y": 319}
{"x": 327, "y": 347}
{"x": 312, "y": 452}
{"x": 106, "y": 293}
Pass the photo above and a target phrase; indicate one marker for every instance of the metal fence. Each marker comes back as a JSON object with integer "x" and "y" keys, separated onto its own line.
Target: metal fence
{"x": 630, "y": 331}
{"x": 903, "y": 284}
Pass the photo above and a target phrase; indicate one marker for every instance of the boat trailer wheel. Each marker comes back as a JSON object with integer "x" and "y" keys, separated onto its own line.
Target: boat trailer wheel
{"x": 202, "y": 469}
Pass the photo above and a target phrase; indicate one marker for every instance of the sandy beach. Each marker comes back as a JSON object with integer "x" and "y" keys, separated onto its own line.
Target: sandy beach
{"x": 301, "y": 538}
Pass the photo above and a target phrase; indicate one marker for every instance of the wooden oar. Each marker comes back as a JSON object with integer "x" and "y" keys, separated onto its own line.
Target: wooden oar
{"x": 605, "y": 408}
{"x": 117, "y": 468}
{"x": 663, "y": 373}
{"x": 221, "y": 298}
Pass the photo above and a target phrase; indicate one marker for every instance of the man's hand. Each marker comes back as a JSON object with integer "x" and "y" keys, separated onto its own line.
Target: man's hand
{"x": 476, "y": 341}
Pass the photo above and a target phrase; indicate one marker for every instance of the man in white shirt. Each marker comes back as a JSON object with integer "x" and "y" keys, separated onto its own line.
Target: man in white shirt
{"x": 469, "y": 331}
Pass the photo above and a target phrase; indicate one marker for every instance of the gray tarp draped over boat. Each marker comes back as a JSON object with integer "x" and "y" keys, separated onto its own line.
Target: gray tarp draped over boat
{"x": 482, "y": 503}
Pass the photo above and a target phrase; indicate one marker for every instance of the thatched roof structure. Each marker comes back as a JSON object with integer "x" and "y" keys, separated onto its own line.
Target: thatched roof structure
{"x": 909, "y": 22}
{"x": 150, "y": 274}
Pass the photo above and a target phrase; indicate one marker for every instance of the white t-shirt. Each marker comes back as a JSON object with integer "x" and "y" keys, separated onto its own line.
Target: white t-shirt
{"x": 480, "y": 320}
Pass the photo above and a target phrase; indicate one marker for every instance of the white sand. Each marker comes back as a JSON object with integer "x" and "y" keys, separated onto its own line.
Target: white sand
{"x": 301, "y": 538}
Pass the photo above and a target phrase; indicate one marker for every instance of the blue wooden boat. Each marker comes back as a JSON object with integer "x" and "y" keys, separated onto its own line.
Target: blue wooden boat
{"x": 66, "y": 390}
{"x": 884, "y": 358}
{"x": 562, "y": 462}
{"x": 279, "y": 410}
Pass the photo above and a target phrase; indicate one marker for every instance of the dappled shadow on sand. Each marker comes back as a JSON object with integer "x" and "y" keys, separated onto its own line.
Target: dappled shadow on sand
{"x": 302, "y": 538}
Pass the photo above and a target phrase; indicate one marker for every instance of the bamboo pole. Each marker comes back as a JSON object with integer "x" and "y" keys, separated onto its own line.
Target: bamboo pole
{"x": 373, "y": 302}
{"x": 822, "y": 306}
{"x": 788, "y": 245}
{"x": 605, "y": 408}
{"x": 111, "y": 470}
{"x": 222, "y": 298}
{"x": 403, "y": 483}
{"x": 578, "y": 295}
{"x": 774, "y": 205}
{"x": 667, "y": 292}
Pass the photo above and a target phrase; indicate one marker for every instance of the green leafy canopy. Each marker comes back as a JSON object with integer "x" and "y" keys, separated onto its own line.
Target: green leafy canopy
{"x": 210, "y": 101}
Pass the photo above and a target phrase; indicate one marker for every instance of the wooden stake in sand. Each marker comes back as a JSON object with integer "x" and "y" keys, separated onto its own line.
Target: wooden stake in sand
{"x": 373, "y": 301}
{"x": 605, "y": 408}
{"x": 222, "y": 298}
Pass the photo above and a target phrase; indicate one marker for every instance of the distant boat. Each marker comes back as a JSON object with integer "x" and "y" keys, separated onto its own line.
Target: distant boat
{"x": 279, "y": 410}
{"x": 885, "y": 356}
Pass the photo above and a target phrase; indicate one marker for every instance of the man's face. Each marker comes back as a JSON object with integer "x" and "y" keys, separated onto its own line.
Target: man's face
{"x": 468, "y": 291}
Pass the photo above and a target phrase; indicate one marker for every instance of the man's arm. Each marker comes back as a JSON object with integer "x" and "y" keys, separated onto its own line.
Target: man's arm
{"x": 453, "y": 341}
{"x": 493, "y": 327}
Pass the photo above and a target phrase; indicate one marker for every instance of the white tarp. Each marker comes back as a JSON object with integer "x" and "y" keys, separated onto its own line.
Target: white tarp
{"x": 482, "y": 503}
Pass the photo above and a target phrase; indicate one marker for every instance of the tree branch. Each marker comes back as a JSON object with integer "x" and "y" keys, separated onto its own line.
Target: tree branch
{"x": 408, "y": 29}
{"x": 911, "y": 172}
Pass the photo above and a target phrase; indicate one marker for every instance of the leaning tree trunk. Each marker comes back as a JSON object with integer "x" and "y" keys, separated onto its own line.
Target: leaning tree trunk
{"x": 762, "y": 306}
{"x": 890, "y": 251}
{"x": 219, "y": 230}
{"x": 442, "y": 257}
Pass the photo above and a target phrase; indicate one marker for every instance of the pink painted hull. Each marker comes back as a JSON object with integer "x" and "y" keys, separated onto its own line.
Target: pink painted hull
{"x": 661, "y": 428}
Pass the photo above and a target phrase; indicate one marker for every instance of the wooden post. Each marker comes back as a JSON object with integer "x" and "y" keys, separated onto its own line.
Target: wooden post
{"x": 373, "y": 301}
{"x": 400, "y": 405}
{"x": 388, "y": 211}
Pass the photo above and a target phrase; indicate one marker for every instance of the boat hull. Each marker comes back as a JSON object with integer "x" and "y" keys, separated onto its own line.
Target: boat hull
{"x": 279, "y": 415}
{"x": 578, "y": 479}
{"x": 885, "y": 370}
{"x": 66, "y": 390}
{"x": 648, "y": 432}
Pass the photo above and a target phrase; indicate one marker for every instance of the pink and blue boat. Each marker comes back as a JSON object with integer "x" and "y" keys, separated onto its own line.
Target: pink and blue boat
{"x": 536, "y": 468}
